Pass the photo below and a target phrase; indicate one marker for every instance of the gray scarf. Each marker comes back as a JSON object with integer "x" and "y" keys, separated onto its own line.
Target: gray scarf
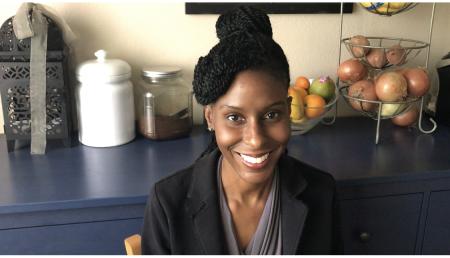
{"x": 267, "y": 237}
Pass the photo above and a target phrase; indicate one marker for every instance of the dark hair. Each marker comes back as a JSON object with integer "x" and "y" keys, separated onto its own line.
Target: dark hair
{"x": 245, "y": 43}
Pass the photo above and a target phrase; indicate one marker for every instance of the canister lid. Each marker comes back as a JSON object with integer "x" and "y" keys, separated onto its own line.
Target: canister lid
{"x": 103, "y": 68}
{"x": 161, "y": 71}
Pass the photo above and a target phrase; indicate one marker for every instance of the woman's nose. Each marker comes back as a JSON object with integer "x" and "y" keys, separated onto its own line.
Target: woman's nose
{"x": 254, "y": 134}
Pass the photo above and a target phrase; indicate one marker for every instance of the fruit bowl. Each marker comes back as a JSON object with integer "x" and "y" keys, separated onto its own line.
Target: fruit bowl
{"x": 313, "y": 115}
{"x": 376, "y": 109}
{"x": 387, "y": 9}
{"x": 396, "y": 51}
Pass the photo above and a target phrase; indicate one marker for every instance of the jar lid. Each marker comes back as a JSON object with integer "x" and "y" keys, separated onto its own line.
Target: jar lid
{"x": 161, "y": 72}
{"x": 102, "y": 68}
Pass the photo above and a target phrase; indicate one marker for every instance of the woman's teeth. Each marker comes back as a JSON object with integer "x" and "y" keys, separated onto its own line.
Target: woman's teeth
{"x": 254, "y": 160}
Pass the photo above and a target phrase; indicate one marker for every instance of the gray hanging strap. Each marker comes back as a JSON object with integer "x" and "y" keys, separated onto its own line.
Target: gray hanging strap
{"x": 38, "y": 83}
{"x": 22, "y": 23}
{"x": 35, "y": 27}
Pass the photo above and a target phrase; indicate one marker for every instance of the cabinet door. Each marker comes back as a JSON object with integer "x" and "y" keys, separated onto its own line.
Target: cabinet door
{"x": 382, "y": 225}
{"x": 437, "y": 229}
{"x": 104, "y": 237}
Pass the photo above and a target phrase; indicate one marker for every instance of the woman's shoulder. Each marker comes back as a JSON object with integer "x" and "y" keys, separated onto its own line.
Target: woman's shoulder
{"x": 319, "y": 187}
{"x": 175, "y": 178}
{"x": 174, "y": 188}
{"x": 183, "y": 184}
{"x": 311, "y": 174}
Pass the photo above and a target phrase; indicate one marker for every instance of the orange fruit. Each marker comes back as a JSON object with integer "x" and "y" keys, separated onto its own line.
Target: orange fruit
{"x": 302, "y": 82}
{"x": 315, "y": 106}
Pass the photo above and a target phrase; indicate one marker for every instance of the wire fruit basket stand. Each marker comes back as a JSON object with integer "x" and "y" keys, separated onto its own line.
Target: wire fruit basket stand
{"x": 401, "y": 51}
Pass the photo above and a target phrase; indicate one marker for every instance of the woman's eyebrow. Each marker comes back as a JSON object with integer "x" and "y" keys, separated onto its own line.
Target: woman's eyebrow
{"x": 281, "y": 102}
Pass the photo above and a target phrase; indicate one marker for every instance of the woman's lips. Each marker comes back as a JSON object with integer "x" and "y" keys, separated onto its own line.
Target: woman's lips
{"x": 255, "y": 162}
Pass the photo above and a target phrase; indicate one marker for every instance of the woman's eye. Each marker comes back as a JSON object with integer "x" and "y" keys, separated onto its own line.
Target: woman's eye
{"x": 272, "y": 115}
{"x": 234, "y": 118}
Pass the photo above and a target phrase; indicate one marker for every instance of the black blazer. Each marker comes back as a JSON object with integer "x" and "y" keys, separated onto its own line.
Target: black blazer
{"x": 183, "y": 215}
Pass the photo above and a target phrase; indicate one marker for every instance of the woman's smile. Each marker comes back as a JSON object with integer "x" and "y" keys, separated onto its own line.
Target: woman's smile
{"x": 255, "y": 161}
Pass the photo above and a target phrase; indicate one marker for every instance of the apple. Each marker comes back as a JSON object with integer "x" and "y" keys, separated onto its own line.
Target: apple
{"x": 323, "y": 87}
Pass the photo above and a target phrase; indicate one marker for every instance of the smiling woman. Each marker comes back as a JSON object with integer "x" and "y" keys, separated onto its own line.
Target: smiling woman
{"x": 244, "y": 195}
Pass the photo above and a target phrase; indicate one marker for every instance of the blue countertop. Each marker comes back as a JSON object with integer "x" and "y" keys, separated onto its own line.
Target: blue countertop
{"x": 347, "y": 150}
{"x": 83, "y": 176}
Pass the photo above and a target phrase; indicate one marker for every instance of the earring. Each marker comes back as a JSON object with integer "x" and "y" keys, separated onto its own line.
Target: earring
{"x": 210, "y": 129}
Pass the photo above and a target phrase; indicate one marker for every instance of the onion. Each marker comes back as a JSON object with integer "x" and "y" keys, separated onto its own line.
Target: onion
{"x": 417, "y": 80}
{"x": 396, "y": 55}
{"x": 391, "y": 86}
{"x": 377, "y": 58}
{"x": 361, "y": 41}
{"x": 364, "y": 89}
{"x": 351, "y": 70}
{"x": 407, "y": 118}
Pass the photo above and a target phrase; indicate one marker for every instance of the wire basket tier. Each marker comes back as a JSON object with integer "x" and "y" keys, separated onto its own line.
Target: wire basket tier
{"x": 387, "y": 9}
{"x": 396, "y": 51}
{"x": 376, "y": 109}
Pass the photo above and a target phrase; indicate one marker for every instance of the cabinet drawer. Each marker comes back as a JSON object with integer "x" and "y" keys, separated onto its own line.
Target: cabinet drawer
{"x": 105, "y": 237}
{"x": 437, "y": 231}
{"x": 382, "y": 225}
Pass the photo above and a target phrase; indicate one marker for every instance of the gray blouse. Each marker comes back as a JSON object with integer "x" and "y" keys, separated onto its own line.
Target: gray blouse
{"x": 267, "y": 237}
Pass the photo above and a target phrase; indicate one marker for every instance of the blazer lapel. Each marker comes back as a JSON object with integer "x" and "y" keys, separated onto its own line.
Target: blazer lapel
{"x": 204, "y": 205}
{"x": 208, "y": 225}
{"x": 293, "y": 210}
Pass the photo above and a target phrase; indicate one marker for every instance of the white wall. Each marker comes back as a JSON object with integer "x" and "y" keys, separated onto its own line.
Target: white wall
{"x": 160, "y": 33}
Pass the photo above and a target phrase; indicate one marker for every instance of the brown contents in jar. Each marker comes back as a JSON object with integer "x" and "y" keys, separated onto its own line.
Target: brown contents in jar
{"x": 166, "y": 127}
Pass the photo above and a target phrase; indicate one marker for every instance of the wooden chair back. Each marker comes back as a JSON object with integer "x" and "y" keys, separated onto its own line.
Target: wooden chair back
{"x": 133, "y": 245}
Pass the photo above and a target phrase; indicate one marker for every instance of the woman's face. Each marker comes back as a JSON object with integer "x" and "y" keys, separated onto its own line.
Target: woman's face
{"x": 251, "y": 124}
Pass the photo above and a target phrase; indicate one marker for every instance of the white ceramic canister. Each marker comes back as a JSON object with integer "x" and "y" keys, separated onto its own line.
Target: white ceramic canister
{"x": 105, "y": 102}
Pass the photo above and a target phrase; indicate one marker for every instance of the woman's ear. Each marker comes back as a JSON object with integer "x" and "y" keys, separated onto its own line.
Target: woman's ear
{"x": 208, "y": 112}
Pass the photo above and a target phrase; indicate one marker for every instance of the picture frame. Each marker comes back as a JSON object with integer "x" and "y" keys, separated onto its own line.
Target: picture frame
{"x": 269, "y": 7}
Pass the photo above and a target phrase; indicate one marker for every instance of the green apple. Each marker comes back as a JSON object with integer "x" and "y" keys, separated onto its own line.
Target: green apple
{"x": 323, "y": 87}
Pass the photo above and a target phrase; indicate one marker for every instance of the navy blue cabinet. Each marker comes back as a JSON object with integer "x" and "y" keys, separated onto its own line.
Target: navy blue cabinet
{"x": 89, "y": 230}
{"x": 381, "y": 225}
{"x": 404, "y": 215}
{"x": 105, "y": 237}
{"x": 437, "y": 231}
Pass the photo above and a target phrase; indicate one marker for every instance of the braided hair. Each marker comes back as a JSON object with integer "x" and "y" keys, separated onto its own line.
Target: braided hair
{"x": 245, "y": 43}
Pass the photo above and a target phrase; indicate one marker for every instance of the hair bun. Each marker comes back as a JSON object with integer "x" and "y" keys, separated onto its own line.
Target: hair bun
{"x": 243, "y": 19}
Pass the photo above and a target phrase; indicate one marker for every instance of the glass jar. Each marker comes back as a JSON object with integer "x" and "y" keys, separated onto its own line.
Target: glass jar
{"x": 163, "y": 103}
